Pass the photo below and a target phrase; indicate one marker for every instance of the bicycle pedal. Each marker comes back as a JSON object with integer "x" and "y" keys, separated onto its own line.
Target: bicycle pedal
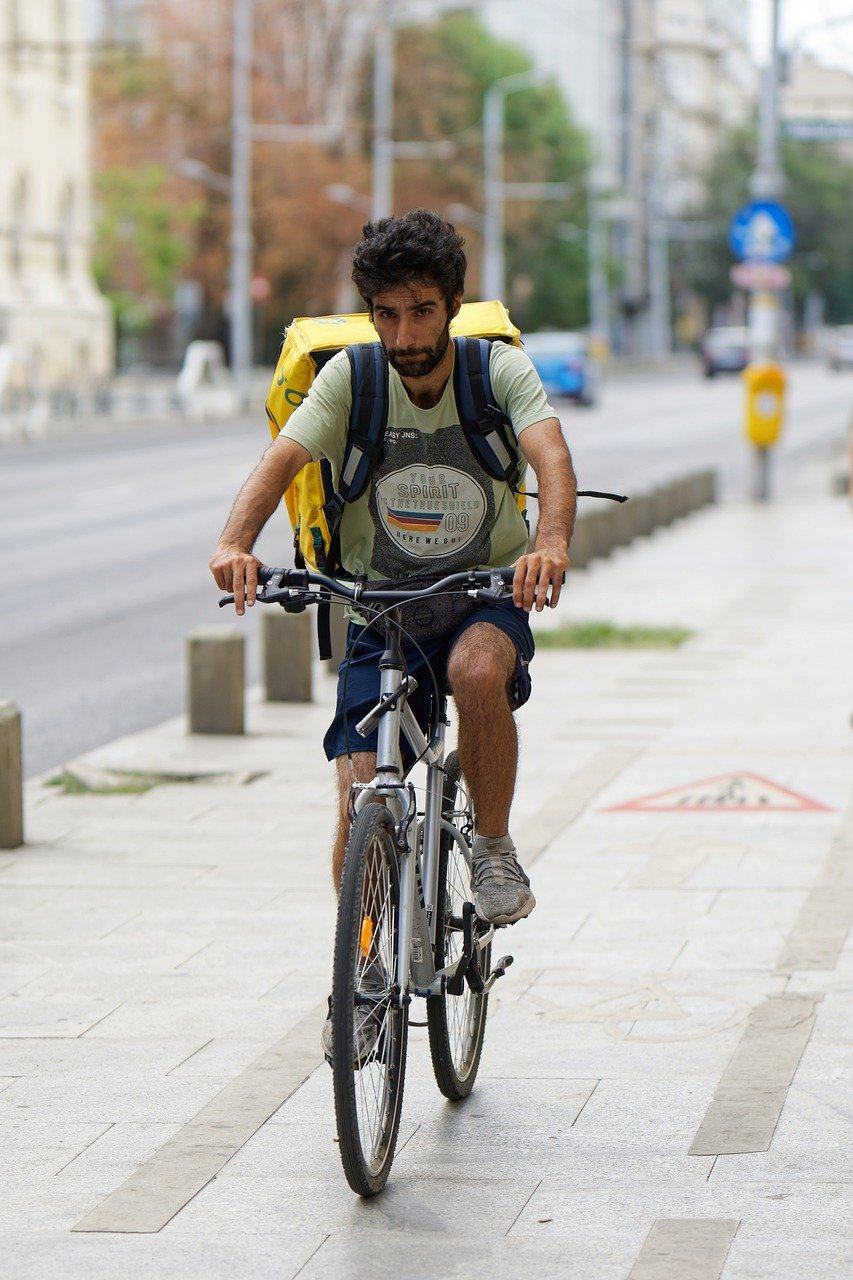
{"x": 499, "y": 969}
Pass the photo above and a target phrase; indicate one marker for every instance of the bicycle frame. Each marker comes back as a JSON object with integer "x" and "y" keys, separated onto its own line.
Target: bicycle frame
{"x": 418, "y": 858}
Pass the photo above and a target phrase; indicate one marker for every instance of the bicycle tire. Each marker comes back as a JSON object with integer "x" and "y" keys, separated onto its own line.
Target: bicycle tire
{"x": 371, "y": 841}
{"x": 455, "y": 1044}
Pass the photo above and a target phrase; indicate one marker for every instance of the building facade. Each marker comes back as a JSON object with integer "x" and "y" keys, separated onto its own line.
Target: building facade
{"x": 55, "y": 327}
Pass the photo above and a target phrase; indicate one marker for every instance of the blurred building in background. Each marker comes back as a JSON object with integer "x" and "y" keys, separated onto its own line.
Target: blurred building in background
{"x": 55, "y": 327}
{"x": 656, "y": 84}
{"x": 817, "y": 104}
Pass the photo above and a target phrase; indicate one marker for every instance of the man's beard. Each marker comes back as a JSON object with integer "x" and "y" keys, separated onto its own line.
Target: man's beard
{"x": 418, "y": 364}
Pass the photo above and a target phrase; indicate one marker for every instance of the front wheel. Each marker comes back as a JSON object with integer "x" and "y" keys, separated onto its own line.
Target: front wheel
{"x": 457, "y": 1024}
{"x": 369, "y": 1026}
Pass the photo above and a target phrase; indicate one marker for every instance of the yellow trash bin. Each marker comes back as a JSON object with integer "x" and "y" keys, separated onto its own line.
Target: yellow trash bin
{"x": 765, "y": 403}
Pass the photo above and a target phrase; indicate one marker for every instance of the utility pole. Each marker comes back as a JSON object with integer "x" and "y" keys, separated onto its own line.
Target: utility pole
{"x": 494, "y": 270}
{"x": 766, "y": 184}
{"x": 657, "y": 235}
{"x": 241, "y": 200}
{"x": 383, "y": 113}
{"x": 599, "y": 295}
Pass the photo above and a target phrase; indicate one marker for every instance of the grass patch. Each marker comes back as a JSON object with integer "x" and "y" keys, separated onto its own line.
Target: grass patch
{"x": 607, "y": 635}
{"x": 85, "y": 780}
{"x": 125, "y": 784}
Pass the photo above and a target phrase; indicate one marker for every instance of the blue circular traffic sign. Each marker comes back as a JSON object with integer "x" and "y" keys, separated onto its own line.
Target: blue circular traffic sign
{"x": 762, "y": 231}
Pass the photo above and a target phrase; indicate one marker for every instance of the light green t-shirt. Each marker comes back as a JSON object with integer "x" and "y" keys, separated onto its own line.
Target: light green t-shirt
{"x": 430, "y": 506}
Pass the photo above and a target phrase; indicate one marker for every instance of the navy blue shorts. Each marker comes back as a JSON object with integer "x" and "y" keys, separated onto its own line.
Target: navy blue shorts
{"x": 360, "y": 675}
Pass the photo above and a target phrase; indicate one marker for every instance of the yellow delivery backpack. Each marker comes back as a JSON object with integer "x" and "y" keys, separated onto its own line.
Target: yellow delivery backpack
{"x": 313, "y": 503}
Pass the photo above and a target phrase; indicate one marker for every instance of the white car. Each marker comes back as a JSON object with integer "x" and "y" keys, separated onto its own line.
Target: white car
{"x": 839, "y": 350}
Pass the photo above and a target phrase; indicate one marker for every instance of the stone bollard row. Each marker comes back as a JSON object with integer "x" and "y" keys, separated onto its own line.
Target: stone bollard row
{"x": 216, "y": 692}
{"x": 11, "y": 778}
{"x": 598, "y": 532}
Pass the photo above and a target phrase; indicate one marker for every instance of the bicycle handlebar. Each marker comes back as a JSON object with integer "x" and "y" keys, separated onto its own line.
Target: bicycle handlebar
{"x": 289, "y": 584}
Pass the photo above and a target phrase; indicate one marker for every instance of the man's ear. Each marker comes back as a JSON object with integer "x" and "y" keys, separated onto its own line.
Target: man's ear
{"x": 455, "y": 306}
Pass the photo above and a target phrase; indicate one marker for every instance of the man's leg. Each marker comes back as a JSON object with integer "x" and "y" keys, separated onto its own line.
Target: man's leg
{"x": 480, "y": 668}
{"x": 360, "y": 767}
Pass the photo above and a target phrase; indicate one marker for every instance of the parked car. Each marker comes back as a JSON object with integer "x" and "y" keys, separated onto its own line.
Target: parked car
{"x": 725, "y": 349}
{"x": 564, "y": 364}
{"x": 839, "y": 348}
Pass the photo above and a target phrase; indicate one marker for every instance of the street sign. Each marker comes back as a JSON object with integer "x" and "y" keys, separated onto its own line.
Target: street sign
{"x": 760, "y": 277}
{"x": 762, "y": 231}
{"x": 727, "y": 793}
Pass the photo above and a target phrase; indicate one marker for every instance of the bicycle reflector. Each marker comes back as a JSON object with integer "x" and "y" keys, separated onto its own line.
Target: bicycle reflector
{"x": 366, "y": 935}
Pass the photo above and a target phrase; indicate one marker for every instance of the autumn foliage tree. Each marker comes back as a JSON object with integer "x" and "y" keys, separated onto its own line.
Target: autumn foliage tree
{"x": 170, "y": 101}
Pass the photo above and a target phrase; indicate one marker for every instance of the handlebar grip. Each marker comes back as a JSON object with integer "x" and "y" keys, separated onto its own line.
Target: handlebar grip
{"x": 225, "y": 600}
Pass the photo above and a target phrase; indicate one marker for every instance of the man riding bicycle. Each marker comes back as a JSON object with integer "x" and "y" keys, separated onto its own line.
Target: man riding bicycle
{"x": 410, "y": 271}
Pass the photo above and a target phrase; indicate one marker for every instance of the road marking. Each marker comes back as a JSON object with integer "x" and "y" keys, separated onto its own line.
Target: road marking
{"x": 820, "y": 930}
{"x": 748, "y": 1101}
{"x": 685, "y": 1249}
{"x": 567, "y": 804}
{"x": 728, "y": 792}
{"x": 164, "y": 1184}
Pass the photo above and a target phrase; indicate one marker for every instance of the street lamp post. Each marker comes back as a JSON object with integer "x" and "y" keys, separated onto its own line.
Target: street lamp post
{"x": 241, "y": 207}
{"x": 494, "y": 269}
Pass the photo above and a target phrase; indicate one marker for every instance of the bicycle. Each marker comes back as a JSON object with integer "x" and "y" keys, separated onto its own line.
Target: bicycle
{"x": 405, "y": 914}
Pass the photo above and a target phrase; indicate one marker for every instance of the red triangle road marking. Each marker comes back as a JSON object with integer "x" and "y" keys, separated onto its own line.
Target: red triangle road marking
{"x": 725, "y": 793}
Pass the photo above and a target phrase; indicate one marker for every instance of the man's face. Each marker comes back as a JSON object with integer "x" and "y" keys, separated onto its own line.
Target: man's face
{"x": 413, "y": 324}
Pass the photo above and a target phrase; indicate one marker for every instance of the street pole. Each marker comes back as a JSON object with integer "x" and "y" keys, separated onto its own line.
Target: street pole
{"x": 657, "y": 245}
{"x": 241, "y": 200}
{"x": 494, "y": 101}
{"x": 383, "y": 113}
{"x": 766, "y": 184}
{"x": 599, "y": 297}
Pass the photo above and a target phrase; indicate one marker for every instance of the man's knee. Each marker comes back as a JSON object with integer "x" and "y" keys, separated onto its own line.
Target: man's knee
{"x": 481, "y": 663}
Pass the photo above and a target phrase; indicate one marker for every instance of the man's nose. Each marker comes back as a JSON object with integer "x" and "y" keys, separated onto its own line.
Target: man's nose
{"x": 404, "y": 336}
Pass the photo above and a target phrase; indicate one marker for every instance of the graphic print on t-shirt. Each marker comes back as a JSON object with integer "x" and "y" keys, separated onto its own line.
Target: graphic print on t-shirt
{"x": 430, "y": 501}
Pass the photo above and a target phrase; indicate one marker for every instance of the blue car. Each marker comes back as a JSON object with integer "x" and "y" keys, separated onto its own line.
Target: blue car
{"x": 564, "y": 364}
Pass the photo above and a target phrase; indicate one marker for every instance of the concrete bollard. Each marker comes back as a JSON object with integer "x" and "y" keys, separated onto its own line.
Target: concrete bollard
{"x": 644, "y": 514}
{"x": 622, "y": 522}
{"x": 287, "y": 644}
{"x": 582, "y": 548}
{"x": 11, "y": 778}
{"x": 216, "y": 680}
{"x": 601, "y": 532}
{"x": 661, "y": 506}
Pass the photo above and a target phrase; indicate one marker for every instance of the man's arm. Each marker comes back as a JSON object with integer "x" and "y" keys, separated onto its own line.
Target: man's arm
{"x": 232, "y": 564}
{"x": 547, "y": 452}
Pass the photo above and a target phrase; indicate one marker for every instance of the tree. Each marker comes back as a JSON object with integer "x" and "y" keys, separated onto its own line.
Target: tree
{"x": 819, "y": 195}
{"x": 172, "y": 101}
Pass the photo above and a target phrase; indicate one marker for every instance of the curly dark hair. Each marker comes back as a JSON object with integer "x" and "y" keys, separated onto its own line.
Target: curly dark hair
{"x": 420, "y": 245}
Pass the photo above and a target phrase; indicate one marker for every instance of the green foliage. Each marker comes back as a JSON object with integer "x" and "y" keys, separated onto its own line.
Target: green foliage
{"x": 452, "y": 64}
{"x": 819, "y": 195}
{"x": 142, "y": 235}
{"x": 607, "y": 635}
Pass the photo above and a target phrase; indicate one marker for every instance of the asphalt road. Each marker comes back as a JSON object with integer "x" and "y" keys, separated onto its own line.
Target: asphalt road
{"x": 107, "y": 537}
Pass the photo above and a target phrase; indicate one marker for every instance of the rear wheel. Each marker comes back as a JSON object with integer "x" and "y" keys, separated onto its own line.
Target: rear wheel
{"x": 369, "y": 1028}
{"x": 457, "y": 1024}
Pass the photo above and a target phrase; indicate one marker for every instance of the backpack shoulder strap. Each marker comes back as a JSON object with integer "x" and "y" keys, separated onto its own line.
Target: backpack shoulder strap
{"x": 363, "y": 449}
{"x": 487, "y": 428}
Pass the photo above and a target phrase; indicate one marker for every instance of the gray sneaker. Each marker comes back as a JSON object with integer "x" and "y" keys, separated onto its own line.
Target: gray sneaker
{"x": 502, "y": 892}
{"x": 367, "y": 1023}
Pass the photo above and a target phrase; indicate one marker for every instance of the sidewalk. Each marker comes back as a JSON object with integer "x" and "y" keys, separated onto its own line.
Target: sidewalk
{"x": 666, "y": 1074}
